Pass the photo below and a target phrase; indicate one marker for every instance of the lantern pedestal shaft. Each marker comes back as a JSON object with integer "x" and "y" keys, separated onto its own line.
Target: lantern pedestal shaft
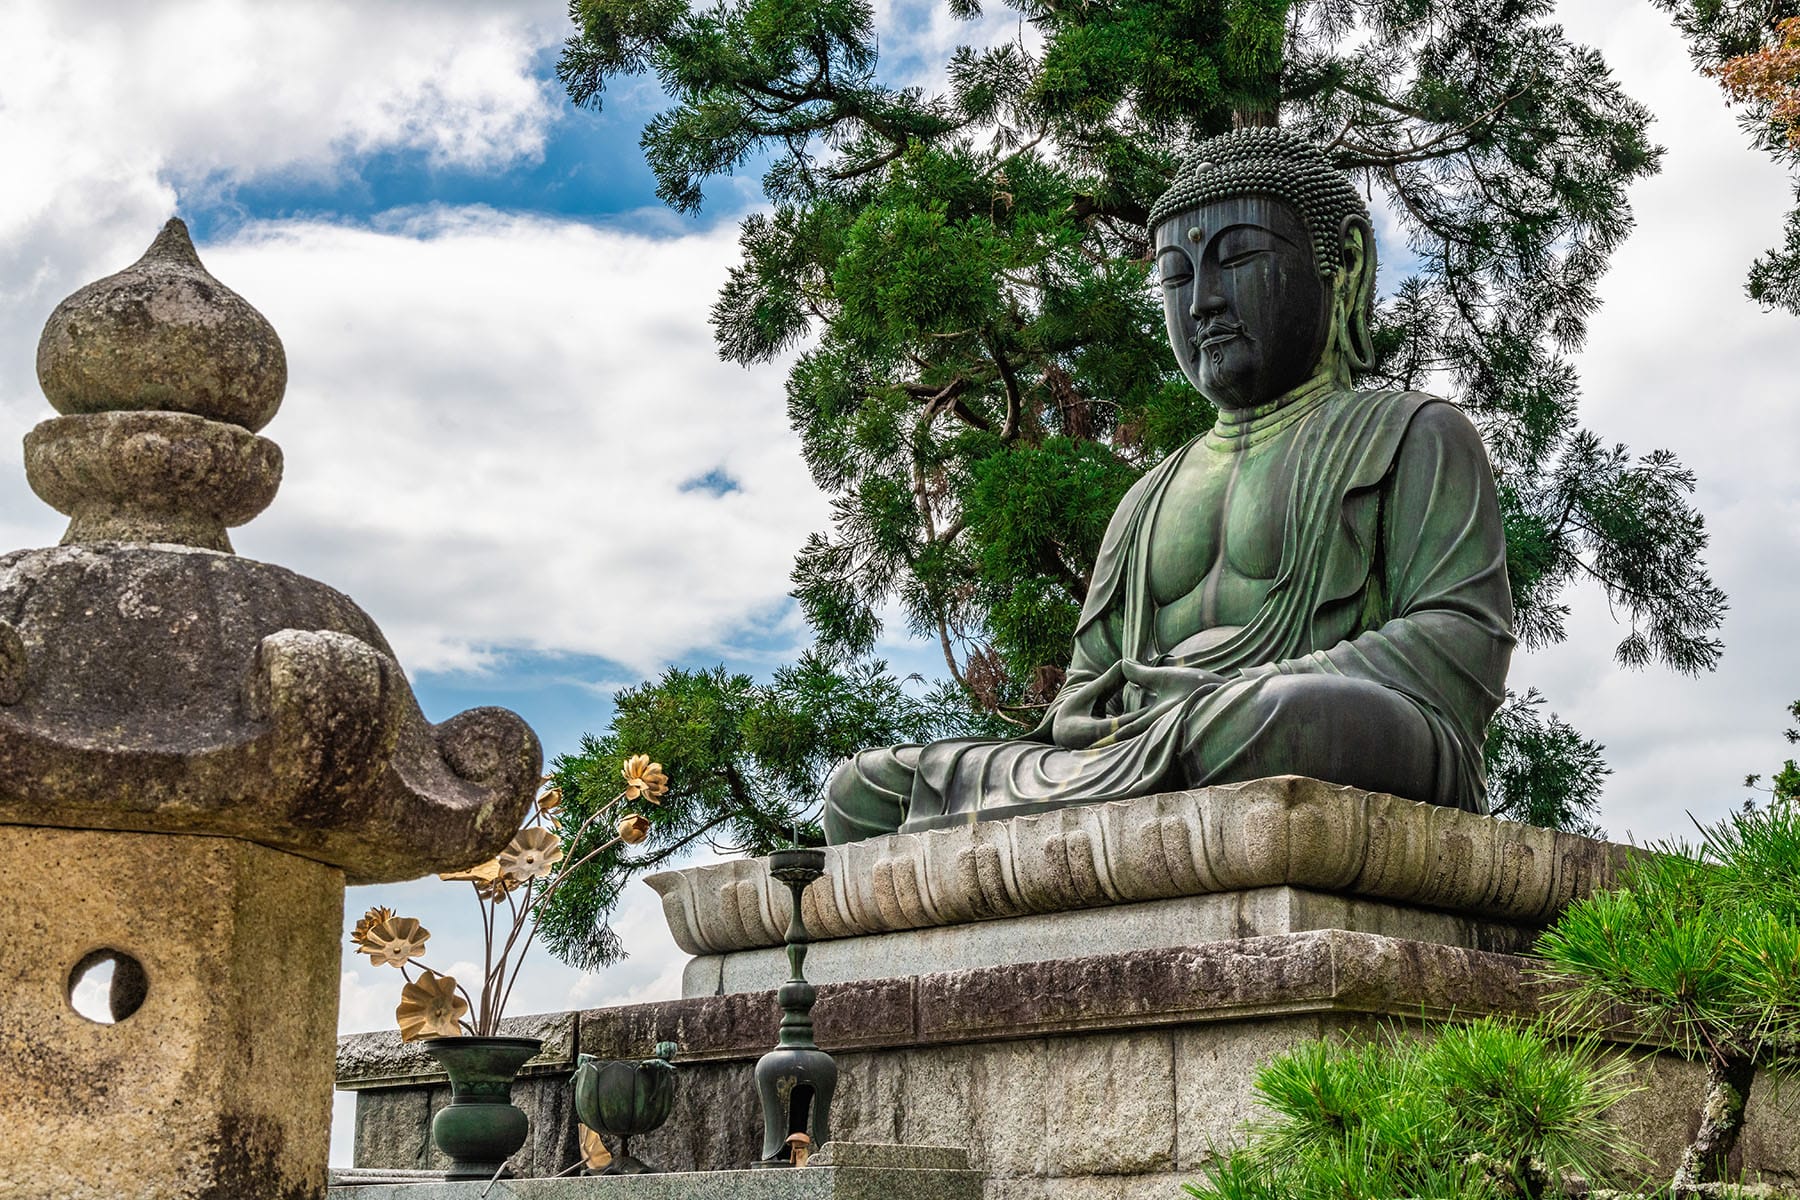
{"x": 218, "y": 1084}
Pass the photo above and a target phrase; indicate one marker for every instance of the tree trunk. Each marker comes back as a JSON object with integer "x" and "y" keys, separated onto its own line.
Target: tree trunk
{"x": 1727, "y": 1088}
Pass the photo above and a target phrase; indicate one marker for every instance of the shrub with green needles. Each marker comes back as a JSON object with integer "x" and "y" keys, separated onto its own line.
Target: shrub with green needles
{"x": 1700, "y": 948}
{"x": 1481, "y": 1111}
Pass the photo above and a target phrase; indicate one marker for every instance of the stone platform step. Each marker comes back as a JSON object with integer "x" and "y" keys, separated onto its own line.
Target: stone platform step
{"x": 840, "y": 1171}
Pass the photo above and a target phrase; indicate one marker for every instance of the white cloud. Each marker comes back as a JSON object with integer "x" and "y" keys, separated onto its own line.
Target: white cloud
{"x": 108, "y": 110}
{"x": 488, "y": 423}
{"x": 1679, "y": 358}
{"x": 489, "y": 416}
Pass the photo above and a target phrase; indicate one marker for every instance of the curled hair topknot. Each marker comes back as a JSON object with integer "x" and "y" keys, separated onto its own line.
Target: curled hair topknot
{"x": 1270, "y": 161}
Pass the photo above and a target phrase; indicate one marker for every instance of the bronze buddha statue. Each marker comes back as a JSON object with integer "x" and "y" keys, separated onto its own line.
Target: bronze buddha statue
{"x": 1316, "y": 586}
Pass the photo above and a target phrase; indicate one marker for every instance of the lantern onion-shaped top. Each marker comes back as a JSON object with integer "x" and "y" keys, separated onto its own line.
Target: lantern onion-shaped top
{"x": 152, "y": 680}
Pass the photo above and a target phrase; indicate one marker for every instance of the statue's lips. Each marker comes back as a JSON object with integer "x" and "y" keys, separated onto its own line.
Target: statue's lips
{"x": 1216, "y": 336}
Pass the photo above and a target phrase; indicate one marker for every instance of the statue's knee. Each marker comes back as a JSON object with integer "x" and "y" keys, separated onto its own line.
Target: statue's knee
{"x": 865, "y": 795}
{"x": 841, "y": 783}
{"x": 1300, "y": 699}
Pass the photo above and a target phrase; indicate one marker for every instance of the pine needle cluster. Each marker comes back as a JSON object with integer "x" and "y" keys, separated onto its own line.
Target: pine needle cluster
{"x": 1479, "y": 1111}
{"x": 1699, "y": 949}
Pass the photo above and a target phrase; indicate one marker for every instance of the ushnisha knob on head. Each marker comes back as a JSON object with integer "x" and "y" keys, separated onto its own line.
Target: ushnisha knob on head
{"x": 163, "y": 375}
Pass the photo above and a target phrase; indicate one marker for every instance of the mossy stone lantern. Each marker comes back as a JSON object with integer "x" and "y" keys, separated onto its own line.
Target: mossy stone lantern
{"x": 197, "y": 753}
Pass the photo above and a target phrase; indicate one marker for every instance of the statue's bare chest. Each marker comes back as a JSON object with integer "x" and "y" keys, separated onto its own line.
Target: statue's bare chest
{"x": 1216, "y": 539}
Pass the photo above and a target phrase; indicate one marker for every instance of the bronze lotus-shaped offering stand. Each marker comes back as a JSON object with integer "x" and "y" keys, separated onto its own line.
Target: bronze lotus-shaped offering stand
{"x": 795, "y": 1080}
{"x": 626, "y": 1099}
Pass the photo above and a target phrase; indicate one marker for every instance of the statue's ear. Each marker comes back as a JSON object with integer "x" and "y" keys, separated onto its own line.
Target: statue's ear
{"x": 1357, "y": 291}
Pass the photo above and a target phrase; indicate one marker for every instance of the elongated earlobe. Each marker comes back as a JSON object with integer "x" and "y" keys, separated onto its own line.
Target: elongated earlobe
{"x": 1358, "y": 340}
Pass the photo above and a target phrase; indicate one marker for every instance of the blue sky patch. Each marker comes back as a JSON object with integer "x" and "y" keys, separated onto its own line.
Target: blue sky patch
{"x": 716, "y": 482}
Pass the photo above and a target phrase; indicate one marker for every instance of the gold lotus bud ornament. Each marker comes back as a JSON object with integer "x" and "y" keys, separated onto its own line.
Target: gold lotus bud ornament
{"x": 550, "y": 801}
{"x": 430, "y": 1007}
{"x": 634, "y": 828}
{"x": 375, "y": 916}
{"x": 491, "y": 883}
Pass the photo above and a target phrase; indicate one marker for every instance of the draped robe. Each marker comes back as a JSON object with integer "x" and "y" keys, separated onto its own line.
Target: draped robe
{"x": 1376, "y": 658}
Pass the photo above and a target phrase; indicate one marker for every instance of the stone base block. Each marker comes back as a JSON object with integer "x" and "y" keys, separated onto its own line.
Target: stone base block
{"x": 1241, "y": 838}
{"x": 1150, "y": 925}
{"x": 1095, "y": 1078}
{"x": 219, "y": 1082}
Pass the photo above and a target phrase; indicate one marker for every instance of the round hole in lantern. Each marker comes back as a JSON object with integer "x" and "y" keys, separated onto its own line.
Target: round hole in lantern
{"x": 107, "y": 986}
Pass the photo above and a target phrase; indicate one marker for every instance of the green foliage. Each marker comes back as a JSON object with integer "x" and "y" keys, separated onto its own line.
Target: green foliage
{"x": 1698, "y": 942}
{"x": 1541, "y": 771}
{"x": 1700, "y": 947}
{"x": 1482, "y": 1110}
{"x": 745, "y": 762}
{"x": 982, "y": 367}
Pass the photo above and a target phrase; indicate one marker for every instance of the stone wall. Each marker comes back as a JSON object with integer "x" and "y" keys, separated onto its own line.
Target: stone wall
{"x": 1095, "y": 1078}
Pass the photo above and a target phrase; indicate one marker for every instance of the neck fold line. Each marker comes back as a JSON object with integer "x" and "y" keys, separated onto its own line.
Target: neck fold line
{"x": 1237, "y": 428}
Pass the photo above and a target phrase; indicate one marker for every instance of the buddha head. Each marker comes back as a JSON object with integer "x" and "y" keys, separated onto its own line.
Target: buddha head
{"x": 1267, "y": 266}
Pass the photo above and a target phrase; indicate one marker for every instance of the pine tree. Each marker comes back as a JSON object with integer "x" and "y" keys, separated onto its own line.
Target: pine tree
{"x": 742, "y": 759}
{"x": 981, "y": 367}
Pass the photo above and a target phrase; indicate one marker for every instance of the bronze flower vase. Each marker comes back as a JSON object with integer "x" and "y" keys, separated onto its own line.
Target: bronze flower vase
{"x": 481, "y": 1127}
{"x": 625, "y": 1099}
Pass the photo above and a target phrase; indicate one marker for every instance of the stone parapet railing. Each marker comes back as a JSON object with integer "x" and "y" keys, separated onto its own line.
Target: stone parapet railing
{"x": 1266, "y": 833}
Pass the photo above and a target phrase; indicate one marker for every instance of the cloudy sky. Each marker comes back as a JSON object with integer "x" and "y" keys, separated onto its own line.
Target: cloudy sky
{"x": 507, "y": 434}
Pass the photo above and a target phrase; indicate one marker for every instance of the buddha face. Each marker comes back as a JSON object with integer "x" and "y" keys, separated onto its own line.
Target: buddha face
{"x": 1247, "y": 312}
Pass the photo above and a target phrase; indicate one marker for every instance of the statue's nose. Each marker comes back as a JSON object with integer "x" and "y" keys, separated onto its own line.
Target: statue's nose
{"x": 1206, "y": 303}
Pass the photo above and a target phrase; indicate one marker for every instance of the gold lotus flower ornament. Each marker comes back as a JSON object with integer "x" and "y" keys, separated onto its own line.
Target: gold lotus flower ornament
{"x": 491, "y": 883}
{"x": 394, "y": 941}
{"x": 644, "y": 779}
{"x": 594, "y": 1154}
{"x": 370, "y": 919}
{"x": 532, "y": 854}
{"x": 430, "y": 1007}
{"x": 633, "y": 828}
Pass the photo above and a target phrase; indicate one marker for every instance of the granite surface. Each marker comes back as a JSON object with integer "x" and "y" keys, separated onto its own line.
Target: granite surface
{"x": 839, "y": 1171}
{"x": 1146, "y": 925}
{"x": 220, "y": 1082}
{"x": 1099, "y": 1078}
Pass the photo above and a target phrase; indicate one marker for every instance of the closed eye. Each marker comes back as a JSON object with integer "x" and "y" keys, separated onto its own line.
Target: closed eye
{"x": 1243, "y": 257}
{"x": 1174, "y": 266}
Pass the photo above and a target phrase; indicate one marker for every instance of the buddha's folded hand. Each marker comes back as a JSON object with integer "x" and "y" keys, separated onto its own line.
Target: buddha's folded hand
{"x": 1076, "y": 725}
{"x": 1159, "y": 685}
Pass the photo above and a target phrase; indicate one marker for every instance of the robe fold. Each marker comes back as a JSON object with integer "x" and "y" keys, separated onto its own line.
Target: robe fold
{"x": 1378, "y": 654}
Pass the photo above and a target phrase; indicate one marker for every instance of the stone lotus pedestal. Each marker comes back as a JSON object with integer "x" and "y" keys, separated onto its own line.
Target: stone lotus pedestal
{"x": 197, "y": 753}
{"x": 1082, "y": 998}
{"x": 1270, "y": 857}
